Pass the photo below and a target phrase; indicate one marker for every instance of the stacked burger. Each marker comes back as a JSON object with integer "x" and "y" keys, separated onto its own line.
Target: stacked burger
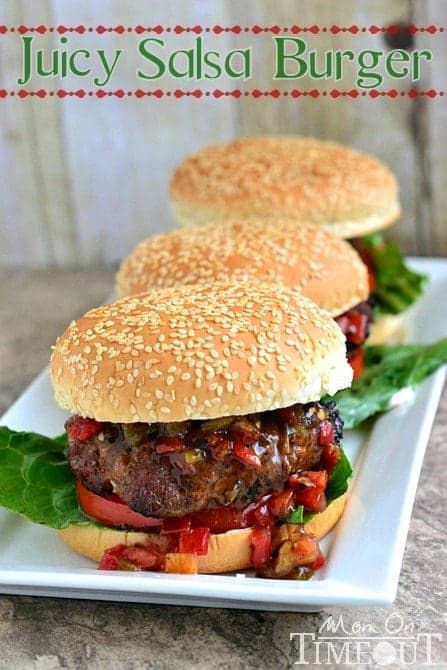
{"x": 352, "y": 194}
{"x": 200, "y": 440}
{"x": 203, "y": 437}
{"x": 308, "y": 259}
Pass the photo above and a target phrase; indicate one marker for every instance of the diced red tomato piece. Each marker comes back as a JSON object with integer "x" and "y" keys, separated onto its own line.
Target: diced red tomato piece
{"x": 357, "y": 328}
{"x": 83, "y": 429}
{"x": 312, "y": 500}
{"x": 326, "y": 433}
{"x": 331, "y": 456}
{"x": 261, "y": 515}
{"x": 309, "y": 489}
{"x": 175, "y": 525}
{"x": 354, "y": 325}
{"x": 314, "y": 477}
{"x": 319, "y": 561}
{"x": 356, "y": 360}
{"x": 194, "y": 542}
{"x": 306, "y": 549}
{"x": 143, "y": 557}
{"x": 280, "y": 504}
{"x": 220, "y": 519}
{"x": 246, "y": 455}
{"x": 169, "y": 445}
{"x": 111, "y": 510}
{"x": 261, "y": 541}
{"x": 343, "y": 322}
{"x": 117, "y": 550}
{"x": 108, "y": 562}
{"x": 110, "y": 559}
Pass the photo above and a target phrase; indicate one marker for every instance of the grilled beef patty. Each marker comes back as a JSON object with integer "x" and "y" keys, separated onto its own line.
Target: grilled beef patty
{"x": 170, "y": 470}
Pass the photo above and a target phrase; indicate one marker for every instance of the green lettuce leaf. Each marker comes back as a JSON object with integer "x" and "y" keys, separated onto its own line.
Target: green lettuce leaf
{"x": 388, "y": 369}
{"x": 36, "y": 480}
{"x": 338, "y": 481}
{"x": 337, "y": 485}
{"x": 297, "y": 515}
{"x": 397, "y": 286}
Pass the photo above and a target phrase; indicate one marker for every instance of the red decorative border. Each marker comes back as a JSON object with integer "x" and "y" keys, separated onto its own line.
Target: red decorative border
{"x": 217, "y": 93}
{"x": 217, "y": 29}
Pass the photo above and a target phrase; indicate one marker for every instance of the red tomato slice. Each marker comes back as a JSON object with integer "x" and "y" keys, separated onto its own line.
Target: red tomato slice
{"x": 112, "y": 511}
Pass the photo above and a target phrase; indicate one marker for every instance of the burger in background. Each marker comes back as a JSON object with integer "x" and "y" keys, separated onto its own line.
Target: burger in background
{"x": 306, "y": 181}
{"x": 323, "y": 267}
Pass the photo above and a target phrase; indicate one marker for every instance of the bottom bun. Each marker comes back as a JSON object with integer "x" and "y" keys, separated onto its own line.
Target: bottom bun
{"x": 389, "y": 329}
{"x": 227, "y": 552}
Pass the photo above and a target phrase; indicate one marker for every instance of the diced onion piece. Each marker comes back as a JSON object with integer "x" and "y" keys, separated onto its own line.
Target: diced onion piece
{"x": 186, "y": 564}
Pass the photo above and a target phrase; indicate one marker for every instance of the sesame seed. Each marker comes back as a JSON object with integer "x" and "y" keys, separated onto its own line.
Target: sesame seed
{"x": 242, "y": 344}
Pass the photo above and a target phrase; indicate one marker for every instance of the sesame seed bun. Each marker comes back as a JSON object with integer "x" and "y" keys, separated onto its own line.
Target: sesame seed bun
{"x": 301, "y": 178}
{"x": 308, "y": 258}
{"x": 227, "y": 552}
{"x": 198, "y": 352}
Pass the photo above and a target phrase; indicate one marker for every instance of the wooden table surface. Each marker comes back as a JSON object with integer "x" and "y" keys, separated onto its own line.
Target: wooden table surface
{"x": 55, "y": 633}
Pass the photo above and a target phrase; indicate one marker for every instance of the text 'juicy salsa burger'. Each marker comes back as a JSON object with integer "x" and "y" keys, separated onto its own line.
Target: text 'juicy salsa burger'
{"x": 309, "y": 259}
{"x": 305, "y": 180}
{"x": 199, "y": 438}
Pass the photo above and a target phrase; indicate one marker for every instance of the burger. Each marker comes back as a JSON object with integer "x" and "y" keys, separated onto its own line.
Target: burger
{"x": 323, "y": 267}
{"x": 306, "y": 181}
{"x": 202, "y": 435}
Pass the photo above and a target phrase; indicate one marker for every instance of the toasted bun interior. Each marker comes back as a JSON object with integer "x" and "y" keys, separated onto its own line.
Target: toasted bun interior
{"x": 227, "y": 552}
{"x": 307, "y": 258}
{"x": 199, "y": 352}
{"x": 305, "y": 179}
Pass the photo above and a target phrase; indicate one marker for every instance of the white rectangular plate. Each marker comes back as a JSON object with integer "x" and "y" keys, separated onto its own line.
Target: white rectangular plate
{"x": 364, "y": 551}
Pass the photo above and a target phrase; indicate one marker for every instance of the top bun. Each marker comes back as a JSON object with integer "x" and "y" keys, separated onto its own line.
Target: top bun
{"x": 301, "y": 178}
{"x": 308, "y": 258}
{"x": 198, "y": 352}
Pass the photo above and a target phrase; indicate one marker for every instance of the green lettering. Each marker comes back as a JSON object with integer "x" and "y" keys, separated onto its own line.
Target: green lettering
{"x": 281, "y": 57}
{"x": 367, "y": 76}
{"x": 26, "y": 61}
{"x": 152, "y": 58}
{"x": 173, "y": 68}
{"x": 40, "y": 65}
{"x": 214, "y": 65}
{"x": 75, "y": 68}
{"x": 108, "y": 68}
{"x": 417, "y": 56}
{"x": 313, "y": 65}
{"x": 395, "y": 57}
{"x": 339, "y": 57}
{"x": 245, "y": 68}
